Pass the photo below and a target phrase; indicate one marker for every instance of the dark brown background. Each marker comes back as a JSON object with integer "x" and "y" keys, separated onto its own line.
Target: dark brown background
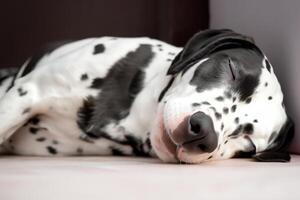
{"x": 27, "y": 25}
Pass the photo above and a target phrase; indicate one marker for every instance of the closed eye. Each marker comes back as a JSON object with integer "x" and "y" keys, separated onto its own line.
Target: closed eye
{"x": 231, "y": 70}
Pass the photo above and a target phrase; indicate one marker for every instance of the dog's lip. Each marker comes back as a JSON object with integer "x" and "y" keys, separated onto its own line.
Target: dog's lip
{"x": 162, "y": 144}
{"x": 168, "y": 142}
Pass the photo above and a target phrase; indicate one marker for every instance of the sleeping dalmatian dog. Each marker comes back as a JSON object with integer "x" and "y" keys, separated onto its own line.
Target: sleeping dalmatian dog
{"x": 216, "y": 98}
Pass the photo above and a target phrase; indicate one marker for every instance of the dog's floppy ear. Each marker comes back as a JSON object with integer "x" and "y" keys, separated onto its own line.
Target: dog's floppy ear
{"x": 277, "y": 152}
{"x": 205, "y": 43}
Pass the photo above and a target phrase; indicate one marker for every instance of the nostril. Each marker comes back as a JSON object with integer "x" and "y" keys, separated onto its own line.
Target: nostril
{"x": 197, "y": 122}
{"x": 195, "y": 127}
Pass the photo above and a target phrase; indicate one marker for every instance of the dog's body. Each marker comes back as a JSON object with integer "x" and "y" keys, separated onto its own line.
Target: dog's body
{"x": 104, "y": 96}
{"x": 55, "y": 98}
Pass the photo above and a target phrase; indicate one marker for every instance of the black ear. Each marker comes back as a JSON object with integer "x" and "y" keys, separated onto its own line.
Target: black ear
{"x": 206, "y": 42}
{"x": 277, "y": 152}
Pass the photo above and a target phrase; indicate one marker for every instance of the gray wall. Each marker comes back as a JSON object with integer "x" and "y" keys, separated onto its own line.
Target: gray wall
{"x": 275, "y": 26}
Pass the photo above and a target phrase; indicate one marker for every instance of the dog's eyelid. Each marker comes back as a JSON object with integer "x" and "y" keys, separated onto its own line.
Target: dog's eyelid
{"x": 230, "y": 67}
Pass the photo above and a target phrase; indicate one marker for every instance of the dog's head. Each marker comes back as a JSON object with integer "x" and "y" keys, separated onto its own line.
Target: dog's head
{"x": 222, "y": 101}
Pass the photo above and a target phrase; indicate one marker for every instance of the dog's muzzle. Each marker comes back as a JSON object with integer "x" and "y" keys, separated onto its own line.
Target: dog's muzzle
{"x": 196, "y": 134}
{"x": 178, "y": 131}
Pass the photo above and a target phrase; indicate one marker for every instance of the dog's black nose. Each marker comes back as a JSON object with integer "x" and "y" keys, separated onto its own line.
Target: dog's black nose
{"x": 201, "y": 134}
{"x": 200, "y": 123}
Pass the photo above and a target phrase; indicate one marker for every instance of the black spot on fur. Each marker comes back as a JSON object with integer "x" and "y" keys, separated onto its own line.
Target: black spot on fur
{"x": 21, "y": 92}
{"x": 225, "y": 110}
{"x": 236, "y": 131}
{"x": 213, "y": 108}
{"x": 228, "y": 94}
{"x": 209, "y": 157}
{"x": 226, "y": 141}
{"x": 236, "y": 120}
{"x": 163, "y": 92}
{"x": 123, "y": 82}
{"x": 233, "y": 108}
{"x": 171, "y": 53}
{"x": 41, "y": 139}
{"x": 33, "y": 130}
{"x": 86, "y": 112}
{"x": 135, "y": 143}
{"x": 266, "y": 84}
{"x": 218, "y": 115}
{"x": 84, "y": 77}
{"x": 205, "y": 103}
{"x": 51, "y": 150}
{"x": 136, "y": 84}
{"x": 248, "y": 128}
{"x": 196, "y": 104}
{"x": 270, "y": 98}
{"x": 147, "y": 145}
{"x": 255, "y": 121}
{"x": 222, "y": 154}
{"x": 268, "y": 66}
{"x": 233, "y": 99}
{"x": 160, "y": 49}
{"x": 99, "y": 48}
{"x": 97, "y": 83}
{"x": 26, "y": 110}
{"x": 116, "y": 152}
{"x": 159, "y": 45}
{"x": 222, "y": 126}
{"x": 169, "y": 60}
{"x": 34, "y": 120}
{"x": 220, "y": 98}
{"x": 248, "y": 100}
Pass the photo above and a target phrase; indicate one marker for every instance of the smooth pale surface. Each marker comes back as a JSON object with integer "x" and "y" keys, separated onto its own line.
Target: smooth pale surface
{"x": 138, "y": 178}
{"x": 275, "y": 26}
